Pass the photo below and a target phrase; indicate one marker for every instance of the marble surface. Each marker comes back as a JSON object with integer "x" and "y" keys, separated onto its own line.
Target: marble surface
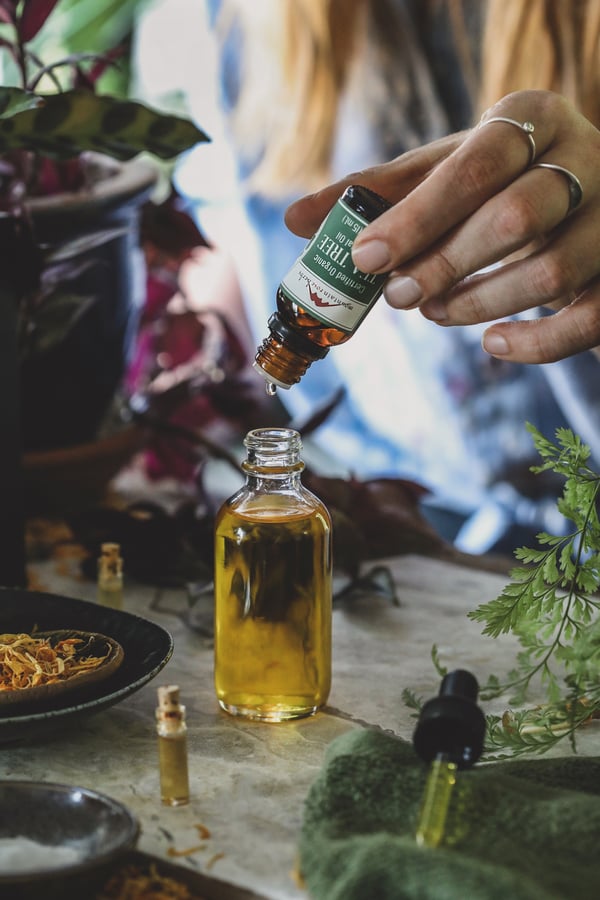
{"x": 248, "y": 780}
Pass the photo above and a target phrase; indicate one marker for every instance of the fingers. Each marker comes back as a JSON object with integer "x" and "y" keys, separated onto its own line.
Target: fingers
{"x": 561, "y": 266}
{"x": 510, "y": 221}
{"x": 467, "y": 204}
{"x": 571, "y": 330}
{"x": 393, "y": 180}
{"x": 484, "y": 164}
{"x": 506, "y": 223}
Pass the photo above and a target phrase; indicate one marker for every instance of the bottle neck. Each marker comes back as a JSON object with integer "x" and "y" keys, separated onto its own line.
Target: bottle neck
{"x": 285, "y": 354}
{"x": 267, "y": 481}
{"x": 273, "y": 454}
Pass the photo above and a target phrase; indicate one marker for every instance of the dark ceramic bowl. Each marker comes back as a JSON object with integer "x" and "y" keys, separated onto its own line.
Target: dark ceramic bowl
{"x": 107, "y": 652}
{"x": 55, "y": 838}
{"x": 146, "y": 647}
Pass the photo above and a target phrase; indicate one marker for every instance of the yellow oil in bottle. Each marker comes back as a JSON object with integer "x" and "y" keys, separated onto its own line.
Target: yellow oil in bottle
{"x": 431, "y": 828}
{"x": 172, "y": 759}
{"x": 273, "y": 608}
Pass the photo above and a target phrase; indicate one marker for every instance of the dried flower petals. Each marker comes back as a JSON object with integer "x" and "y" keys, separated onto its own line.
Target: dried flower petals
{"x": 132, "y": 883}
{"x": 27, "y": 661}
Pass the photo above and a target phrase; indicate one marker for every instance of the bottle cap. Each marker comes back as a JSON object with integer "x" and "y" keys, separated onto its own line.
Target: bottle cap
{"x": 168, "y": 696}
{"x": 110, "y": 561}
{"x": 452, "y": 724}
{"x": 169, "y": 707}
{"x": 110, "y": 549}
{"x": 365, "y": 201}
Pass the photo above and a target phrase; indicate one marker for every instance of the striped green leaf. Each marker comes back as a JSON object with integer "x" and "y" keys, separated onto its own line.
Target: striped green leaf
{"x": 65, "y": 124}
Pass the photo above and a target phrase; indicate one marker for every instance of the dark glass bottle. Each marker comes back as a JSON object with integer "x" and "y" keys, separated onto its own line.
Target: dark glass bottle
{"x": 324, "y": 297}
{"x": 273, "y": 587}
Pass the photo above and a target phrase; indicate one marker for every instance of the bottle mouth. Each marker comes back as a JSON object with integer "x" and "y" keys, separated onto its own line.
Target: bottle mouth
{"x": 273, "y": 449}
{"x": 273, "y": 440}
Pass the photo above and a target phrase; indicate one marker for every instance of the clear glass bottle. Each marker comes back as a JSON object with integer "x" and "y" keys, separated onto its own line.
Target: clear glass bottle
{"x": 273, "y": 587}
{"x": 171, "y": 728}
{"x": 324, "y": 297}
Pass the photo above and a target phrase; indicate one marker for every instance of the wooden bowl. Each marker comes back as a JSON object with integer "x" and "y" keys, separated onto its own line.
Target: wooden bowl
{"x": 93, "y": 645}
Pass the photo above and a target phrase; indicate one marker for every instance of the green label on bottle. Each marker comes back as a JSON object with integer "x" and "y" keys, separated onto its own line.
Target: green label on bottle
{"x": 325, "y": 282}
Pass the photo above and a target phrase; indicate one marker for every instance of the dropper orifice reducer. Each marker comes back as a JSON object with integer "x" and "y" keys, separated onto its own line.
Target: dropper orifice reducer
{"x": 449, "y": 735}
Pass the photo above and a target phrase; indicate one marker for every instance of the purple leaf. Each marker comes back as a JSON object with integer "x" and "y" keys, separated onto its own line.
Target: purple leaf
{"x": 8, "y": 11}
{"x": 33, "y": 16}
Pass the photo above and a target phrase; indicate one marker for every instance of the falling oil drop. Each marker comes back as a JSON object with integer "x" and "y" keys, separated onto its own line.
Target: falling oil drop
{"x": 271, "y": 389}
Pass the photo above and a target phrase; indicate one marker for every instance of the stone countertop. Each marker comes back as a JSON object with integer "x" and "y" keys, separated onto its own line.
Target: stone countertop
{"x": 248, "y": 780}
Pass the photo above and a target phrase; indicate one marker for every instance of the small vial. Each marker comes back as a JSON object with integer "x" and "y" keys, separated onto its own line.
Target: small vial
{"x": 110, "y": 576}
{"x": 172, "y": 747}
{"x": 323, "y": 298}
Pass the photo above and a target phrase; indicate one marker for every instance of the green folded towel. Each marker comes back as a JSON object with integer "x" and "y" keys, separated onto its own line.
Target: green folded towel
{"x": 517, "y": 830}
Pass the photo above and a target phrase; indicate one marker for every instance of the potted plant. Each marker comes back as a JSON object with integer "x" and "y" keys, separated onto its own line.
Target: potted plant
{"x": 70, "y": 195}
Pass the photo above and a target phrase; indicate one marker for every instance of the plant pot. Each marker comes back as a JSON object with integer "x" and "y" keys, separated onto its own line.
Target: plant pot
{"x": 57, "y": 482}
{"x": 67, "y": 390}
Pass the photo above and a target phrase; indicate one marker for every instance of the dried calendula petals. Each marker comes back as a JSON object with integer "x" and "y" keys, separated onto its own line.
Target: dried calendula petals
{"x": 27, "y": 661}
{"x": 133, "y": 883}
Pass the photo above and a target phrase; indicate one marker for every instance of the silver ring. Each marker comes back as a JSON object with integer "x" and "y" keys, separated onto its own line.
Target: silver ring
{"x": 573, "y": 183}
{"x": 526, "y": 127}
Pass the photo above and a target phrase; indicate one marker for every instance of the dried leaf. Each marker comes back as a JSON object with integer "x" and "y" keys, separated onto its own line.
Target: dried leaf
{"x": 384, "y": 513}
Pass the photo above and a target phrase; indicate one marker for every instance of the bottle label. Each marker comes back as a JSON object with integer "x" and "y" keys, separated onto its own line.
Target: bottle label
{"x": 325, "y": 282}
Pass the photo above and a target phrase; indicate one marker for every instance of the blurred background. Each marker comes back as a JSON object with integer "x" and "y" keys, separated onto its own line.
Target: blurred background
{"x": 294, "y": 93}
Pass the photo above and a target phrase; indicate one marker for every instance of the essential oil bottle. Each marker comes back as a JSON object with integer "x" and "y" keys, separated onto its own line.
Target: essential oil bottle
{"x": 273, "y": 587}
{"x": 324, "y": 297}
{"x": 171, "y": 729}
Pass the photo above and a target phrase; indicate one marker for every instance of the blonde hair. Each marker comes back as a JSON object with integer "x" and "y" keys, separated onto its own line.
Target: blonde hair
{"x": 543, "y": 44}
{"x": 295, "y": 59}
{"x": 297, "y": 56}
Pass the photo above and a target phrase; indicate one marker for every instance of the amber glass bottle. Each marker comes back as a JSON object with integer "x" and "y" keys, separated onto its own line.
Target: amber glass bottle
{"x": 324, "y": 297}
{"x": 273, "y": 587}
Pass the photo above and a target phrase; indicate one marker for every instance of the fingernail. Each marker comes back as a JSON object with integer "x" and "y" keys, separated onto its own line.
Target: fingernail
{"x": 435, "y": 310}
{"x": 495, "y": 344}
{"x": 371, "y": 256}
{"x": 401, "y": 292}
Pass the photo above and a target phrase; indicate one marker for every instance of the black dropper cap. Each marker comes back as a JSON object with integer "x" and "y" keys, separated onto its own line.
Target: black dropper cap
{"x": 452, "y": 724}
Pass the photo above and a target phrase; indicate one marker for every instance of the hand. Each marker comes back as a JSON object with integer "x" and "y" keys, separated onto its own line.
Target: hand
{"x": 472, "y": 200}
